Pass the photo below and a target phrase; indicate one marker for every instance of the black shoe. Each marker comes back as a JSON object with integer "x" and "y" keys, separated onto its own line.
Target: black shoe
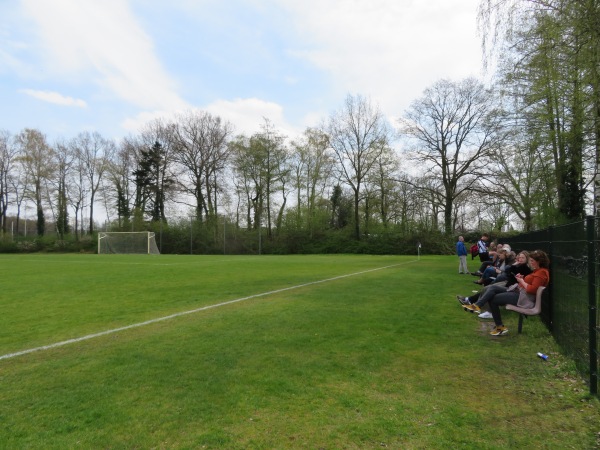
{"x": 462, "y": 300}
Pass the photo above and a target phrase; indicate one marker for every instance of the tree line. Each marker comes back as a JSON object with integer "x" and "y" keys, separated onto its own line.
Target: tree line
{"x": 522, "y": 153}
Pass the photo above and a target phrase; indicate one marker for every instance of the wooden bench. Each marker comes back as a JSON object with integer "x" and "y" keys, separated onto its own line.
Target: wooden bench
{"x": 524, "y": 312}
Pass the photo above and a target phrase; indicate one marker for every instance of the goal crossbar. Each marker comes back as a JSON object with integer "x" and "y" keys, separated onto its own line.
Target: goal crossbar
{"x": 127, "y": 242}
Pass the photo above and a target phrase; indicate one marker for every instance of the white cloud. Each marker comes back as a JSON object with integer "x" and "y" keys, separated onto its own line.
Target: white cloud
{"x": 388, "y": 49}
{"x": 54, "y": 97}
{"x": 137, "y": 123}
{"x": 104, "y": 41}
{"x": 246, "y": 115}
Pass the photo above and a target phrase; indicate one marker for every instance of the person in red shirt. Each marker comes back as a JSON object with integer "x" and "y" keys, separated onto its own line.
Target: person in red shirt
{"x": 524, "y": 292}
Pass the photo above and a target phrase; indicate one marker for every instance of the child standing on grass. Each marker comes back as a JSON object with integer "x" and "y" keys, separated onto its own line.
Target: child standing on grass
{"x": 461, "y": 252}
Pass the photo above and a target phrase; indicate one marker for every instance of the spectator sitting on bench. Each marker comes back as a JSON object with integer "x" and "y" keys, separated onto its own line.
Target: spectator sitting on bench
{"x": 504, "y": 257}
{"x": 524, "y": 291}
{"x": 491, "y": 258}
{"x": 476, "y": 302}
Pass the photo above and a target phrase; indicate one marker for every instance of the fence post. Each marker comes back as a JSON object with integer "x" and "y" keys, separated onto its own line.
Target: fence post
{"x": 593, "y": 347}
{"x": 550, "y": 251}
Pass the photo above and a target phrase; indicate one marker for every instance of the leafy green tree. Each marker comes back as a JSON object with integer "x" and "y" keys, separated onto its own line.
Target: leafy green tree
{"x": 261, "y": 169}
{"x": 341, "y": 208}
{"x": 64, "y": 164}
{"x": 276, "y": 170}
{"x": 548, "y": 54}
{"x": 311, "y": 165}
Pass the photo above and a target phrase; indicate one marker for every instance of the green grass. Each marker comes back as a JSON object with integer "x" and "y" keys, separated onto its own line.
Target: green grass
{"x": 383, "y": 358}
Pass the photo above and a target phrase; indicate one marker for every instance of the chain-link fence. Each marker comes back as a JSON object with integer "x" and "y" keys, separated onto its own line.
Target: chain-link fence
{"x": 571, "y": 309}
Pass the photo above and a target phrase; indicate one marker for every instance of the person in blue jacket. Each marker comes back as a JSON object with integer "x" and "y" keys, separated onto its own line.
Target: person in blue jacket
{"x": 461, "y": 252}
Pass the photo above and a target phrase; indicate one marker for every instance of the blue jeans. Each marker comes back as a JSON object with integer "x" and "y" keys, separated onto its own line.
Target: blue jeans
{"x": 488, "y": 273}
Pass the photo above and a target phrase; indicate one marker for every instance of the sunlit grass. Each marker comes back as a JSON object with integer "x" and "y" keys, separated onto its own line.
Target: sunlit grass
{"x": 384, "y": 358}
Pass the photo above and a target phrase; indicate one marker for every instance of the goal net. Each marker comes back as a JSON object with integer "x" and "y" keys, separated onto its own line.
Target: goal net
{"x": 127, "y": 242}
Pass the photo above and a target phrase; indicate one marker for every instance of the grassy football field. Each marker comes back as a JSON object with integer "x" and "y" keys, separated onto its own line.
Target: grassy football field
{"x": 238, "y": 352}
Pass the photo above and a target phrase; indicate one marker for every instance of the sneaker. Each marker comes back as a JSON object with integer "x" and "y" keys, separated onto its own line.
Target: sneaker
{"x": 486, "y": 315}
{"x": 472, "y": 308}
{"x": 463, "y": 300}
{"x": 499, "y": 330}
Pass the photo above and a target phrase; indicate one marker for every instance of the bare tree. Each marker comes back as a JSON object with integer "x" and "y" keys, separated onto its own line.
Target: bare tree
{"x": 79, "y": 188}
{"x": 201, "y": 149}
{"x": 156, "y": 157}
{"x": 94, "y": 153}
{"x": 39, "y": 164}
{"x": 452, "y": 130}
{"x": 8, "y": 154}
{"x": 247, "y": 179}
{"x": 358, "y": 135}
{"x": 276, "y": 169}
{"x": 520, "y": 179}
{"x": 120, "y": 193}
{"x": 406, "y": 200}
{"x": 382, "y": 182}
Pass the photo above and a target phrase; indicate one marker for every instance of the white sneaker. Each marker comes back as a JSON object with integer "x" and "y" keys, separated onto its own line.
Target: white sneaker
{"x": 486, "y": 315}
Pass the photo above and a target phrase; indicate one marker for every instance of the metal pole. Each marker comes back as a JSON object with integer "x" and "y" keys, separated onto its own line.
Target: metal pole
{"x": 592, "y": 303}
{"x": 550, "y": 303}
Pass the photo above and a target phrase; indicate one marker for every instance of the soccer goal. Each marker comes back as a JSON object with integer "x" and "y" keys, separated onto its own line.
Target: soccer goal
{"x": 127, "y": 242}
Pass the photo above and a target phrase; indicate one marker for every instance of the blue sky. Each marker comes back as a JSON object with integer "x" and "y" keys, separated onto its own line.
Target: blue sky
{"x": 111, "y": 66}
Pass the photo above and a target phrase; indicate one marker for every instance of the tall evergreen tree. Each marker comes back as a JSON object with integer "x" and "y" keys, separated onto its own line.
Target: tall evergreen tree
{"x": 152, "y": 183}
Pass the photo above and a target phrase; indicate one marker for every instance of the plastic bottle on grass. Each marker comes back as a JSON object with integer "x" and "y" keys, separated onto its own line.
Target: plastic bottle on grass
{"x": 544, "y": 357}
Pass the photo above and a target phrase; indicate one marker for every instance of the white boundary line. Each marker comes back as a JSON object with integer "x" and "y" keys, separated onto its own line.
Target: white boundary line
{"x": 183, "y": 313}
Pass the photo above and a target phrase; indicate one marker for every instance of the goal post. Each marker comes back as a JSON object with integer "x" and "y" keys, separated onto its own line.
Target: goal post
{"x": 139, "y": 242}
